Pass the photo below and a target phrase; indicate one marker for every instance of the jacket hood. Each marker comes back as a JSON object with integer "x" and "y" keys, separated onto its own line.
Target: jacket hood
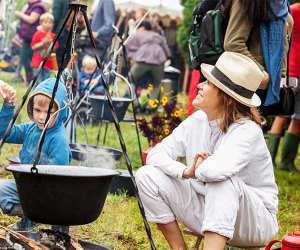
{"x": 46, "y": 87}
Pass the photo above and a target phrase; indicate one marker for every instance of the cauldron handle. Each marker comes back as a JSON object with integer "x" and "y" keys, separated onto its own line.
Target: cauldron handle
{"x": 268, "y": 247}
{"x": 34, "y": 170}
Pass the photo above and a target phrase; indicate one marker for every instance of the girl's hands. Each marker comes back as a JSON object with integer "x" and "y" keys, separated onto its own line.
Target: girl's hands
{"x": 198, "y": 159}
{"x": 8, "y": 93}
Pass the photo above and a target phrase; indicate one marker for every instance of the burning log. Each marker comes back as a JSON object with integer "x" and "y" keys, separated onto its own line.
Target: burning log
{"x": 47, "y": 239}
{"x": 18, "y": 241}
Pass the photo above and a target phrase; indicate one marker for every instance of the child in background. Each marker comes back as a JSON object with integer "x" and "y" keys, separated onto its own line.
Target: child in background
{"x": 55, "y": 149}
{"x": 89, "y": 65}
{"x": 40, "y": 43}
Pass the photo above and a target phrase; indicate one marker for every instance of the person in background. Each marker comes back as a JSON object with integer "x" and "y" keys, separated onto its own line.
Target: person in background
{"x": 104, "y": 17}
{"x": 40, "y": 43}
{"x": 89, "y": 65}
{"x": 2, "y": 17}
{"x": 251, "y": 24}
{"x": 60, "y": 9}
{"x": 148, "y": 52}
{"x": 29, "y": 20}
{"x": 291, "y": 138}
{"x": 55, "y": 151}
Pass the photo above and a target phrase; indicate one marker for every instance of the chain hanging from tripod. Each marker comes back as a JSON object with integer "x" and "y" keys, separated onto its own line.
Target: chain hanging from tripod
{"x": 68, "y": 71}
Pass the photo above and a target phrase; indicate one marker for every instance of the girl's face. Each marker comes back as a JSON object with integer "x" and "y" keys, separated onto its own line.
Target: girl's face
{"x": 208, "y": 99}
{"x": 89, "y": 69}
{"x": 47, "y": 25}
{"x": 40, "y": 114}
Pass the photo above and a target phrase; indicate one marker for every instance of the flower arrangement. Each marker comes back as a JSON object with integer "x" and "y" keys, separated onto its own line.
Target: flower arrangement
{"x": 164, "y": 115}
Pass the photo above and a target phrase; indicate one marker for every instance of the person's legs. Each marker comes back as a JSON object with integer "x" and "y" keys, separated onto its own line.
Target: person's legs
{"x": 26, "y": 55}
{"x": 10, "y": 204}
{"x": 234, "y": 211}
{"x": 157, "y": 72}
{"x": 275, "y": 134}
{"x": 8, "y": 195}
{"x": 214, "y": 241}
{"x": 165, "y": 199}
{"x": 173, "y": 235}
{"x": 290, "y": 146}
{"x": 137, "y": 71}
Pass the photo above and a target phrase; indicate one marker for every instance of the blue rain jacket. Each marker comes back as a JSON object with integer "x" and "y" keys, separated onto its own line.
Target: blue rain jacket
{"x": 56, "y": 148}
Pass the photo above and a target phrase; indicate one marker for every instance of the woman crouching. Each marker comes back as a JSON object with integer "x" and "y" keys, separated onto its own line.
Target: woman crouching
{"x": 226, "y": 191}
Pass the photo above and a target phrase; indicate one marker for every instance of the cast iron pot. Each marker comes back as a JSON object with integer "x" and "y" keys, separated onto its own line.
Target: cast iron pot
{"x": 62, "y": 195}
{"x": 80, "y": 151}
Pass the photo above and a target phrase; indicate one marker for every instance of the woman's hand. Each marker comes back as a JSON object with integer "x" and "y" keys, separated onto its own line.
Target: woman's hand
{"x": 8, "y": 93}
{"x": 265, "y": 81}
{"x": 198, "y": 159}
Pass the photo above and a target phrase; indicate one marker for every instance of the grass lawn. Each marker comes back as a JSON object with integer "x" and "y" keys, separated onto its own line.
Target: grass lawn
{"x": 120, "y": 225}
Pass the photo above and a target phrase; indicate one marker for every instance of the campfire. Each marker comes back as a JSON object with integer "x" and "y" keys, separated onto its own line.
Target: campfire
{"x": 45, "y": 239}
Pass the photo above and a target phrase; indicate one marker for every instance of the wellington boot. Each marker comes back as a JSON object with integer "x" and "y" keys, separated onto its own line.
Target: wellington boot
{"x": 273, "y": 143}
{"x": 289, "y": 152}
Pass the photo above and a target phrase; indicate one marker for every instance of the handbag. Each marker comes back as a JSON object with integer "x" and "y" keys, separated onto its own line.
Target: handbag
{"x": 286, "y": 104}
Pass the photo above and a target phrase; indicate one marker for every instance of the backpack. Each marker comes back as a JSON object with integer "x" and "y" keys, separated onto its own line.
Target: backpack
{"x": 206, "y": 36}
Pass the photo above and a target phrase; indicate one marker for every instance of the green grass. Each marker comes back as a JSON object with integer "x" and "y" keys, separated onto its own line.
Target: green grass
{"x": 120, "y": 225}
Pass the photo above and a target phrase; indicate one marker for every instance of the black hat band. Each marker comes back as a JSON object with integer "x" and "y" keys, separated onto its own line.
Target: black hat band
{"x": 220, "y": 76}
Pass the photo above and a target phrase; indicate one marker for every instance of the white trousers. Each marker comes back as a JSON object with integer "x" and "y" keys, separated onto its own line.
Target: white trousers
{"x": 229, "y": 208}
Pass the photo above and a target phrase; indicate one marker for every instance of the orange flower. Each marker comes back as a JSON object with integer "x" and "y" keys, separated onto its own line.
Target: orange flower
{"x": 150, "y": 87}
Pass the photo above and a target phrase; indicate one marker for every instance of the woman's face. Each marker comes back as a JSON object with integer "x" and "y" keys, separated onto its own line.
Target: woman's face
{"x": 208, "y": 99}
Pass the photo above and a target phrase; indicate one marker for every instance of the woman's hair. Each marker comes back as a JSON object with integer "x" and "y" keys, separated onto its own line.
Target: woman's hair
{"x": 256, "y": 11}
{"x": 146, "y": 25}
{"x": 233, "y": 111}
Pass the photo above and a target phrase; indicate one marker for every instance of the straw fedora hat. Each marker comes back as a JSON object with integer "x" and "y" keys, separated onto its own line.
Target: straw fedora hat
{"x": 237, "y": 75}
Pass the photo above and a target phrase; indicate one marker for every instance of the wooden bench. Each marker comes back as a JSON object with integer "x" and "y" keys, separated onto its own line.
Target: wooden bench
{"x": 199, "y": 242}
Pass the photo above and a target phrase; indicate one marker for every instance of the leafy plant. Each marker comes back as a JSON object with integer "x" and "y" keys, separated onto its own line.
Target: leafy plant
{"x": 164, "y": 115}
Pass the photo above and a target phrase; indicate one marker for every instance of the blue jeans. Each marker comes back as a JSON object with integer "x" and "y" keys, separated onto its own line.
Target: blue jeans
{"x": 9, "y": 196}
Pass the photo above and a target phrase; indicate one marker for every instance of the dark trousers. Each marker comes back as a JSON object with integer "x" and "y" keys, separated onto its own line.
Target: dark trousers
{"x": 26, "y": 56}
{"x": 139, "y": 69}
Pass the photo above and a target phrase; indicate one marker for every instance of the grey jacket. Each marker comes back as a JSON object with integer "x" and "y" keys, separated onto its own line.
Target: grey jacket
{"x": 148, "y": 47}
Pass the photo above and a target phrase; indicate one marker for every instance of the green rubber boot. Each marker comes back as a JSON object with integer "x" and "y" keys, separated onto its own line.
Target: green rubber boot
{"x": 273, "y": 143}
{"x": 289, "y": 152}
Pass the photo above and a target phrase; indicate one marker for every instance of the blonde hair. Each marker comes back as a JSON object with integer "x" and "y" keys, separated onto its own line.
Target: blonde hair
{"x": 234, "y": 110}
{"x": 46, "y": 16}
{"x": 43, "y": 100}
{"x": 89, "y": 61}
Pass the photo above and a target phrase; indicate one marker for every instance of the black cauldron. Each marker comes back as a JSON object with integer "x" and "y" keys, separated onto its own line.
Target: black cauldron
{"x": 101, "y": 111}
{"x": 80, "y": 151}
{"x": 62, "y": 195}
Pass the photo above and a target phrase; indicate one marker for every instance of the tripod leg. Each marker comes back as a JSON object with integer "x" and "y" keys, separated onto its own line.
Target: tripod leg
{"x": 105, "y": 133}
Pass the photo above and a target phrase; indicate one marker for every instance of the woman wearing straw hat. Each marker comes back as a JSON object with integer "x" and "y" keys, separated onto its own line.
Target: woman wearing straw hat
{"x": 226, "y": 191}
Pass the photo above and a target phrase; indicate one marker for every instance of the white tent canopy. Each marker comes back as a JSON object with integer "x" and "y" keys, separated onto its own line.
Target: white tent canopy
{"x": 163, "y": 7}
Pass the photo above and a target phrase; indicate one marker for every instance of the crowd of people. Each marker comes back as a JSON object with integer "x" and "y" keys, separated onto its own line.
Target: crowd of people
{"x": 150, "y": 48}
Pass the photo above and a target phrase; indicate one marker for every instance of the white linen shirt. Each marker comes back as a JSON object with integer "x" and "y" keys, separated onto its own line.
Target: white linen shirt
{"x": 240, "y": 152}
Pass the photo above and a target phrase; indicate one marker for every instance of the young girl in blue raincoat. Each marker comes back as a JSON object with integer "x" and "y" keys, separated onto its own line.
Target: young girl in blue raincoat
{"x": 55, "y": 149}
